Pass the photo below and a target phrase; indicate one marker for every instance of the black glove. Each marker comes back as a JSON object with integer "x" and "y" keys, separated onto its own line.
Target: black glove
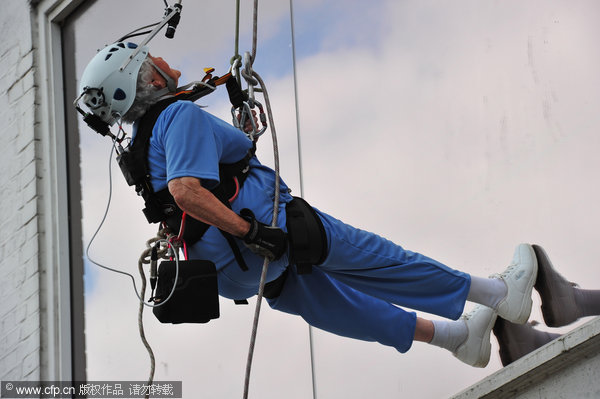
{"x": 267, "y": 241}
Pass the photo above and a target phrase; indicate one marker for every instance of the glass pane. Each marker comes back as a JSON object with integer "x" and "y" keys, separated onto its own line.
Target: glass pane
{"x": 210, "y": 358}
{"x": 454, "y": 129}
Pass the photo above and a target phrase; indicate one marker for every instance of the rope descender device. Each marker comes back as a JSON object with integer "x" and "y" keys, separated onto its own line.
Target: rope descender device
{"x": 246, "y": 103}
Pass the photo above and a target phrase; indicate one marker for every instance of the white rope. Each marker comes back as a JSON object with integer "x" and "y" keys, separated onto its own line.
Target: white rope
{"x": 139, "y": 295}
{"x": 263, "y": 275}
{"x": 141, "y": 327}
{"x": 163, "y": 244}
{"x": 300, "y": 169}
{"x": 145, "y": 258}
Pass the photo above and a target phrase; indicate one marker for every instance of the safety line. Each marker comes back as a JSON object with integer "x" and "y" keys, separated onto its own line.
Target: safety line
{"x": 144, "y": 258}
{"x": 141, "y": 328}
{"x": 263, "y": 275}
{"x": 254, "y": 31}
{"x": 299, "y": 143}
{"x": 261, "y": 84}
{"x": 237, "y": 29}
{"x": 236, "y": 43}
{"x": 296, "y": 97}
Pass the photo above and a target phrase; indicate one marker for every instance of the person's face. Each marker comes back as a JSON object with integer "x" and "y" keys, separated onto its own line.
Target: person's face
{"x": 157, "y": 80}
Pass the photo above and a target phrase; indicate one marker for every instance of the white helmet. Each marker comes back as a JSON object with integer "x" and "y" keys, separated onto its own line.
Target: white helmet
{"x": 107, "y": 89}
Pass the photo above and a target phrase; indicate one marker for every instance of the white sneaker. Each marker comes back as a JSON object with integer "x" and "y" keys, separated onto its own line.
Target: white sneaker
{"x": 519, "y": 278}
{"x": 476, "y": 349}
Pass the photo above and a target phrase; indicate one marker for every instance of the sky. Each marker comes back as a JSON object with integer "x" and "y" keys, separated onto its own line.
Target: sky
{"x": 456, "y": 129}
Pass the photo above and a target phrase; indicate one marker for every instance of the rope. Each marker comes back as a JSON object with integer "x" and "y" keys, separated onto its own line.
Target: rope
{"x": 300, "y": 169}
{"x": 263, "y": 274}
{"x": 296, "y": 98}
{"x": 254, "y": 31}
{"x": 141, "y": 327}
{"x": 162, "y": 240}
{"x": 145, "y": 258}
{"x": 236, "y": 45}
{"x": 141, "y": 270}
{"x": 104, "y": 216}
{"x": 265, "y": 267}
{"x": 237, "y": 29}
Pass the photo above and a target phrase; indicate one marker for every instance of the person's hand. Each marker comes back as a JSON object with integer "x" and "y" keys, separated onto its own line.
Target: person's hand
{"x": 248, "y": 124}
{"x": 267, "y": 241}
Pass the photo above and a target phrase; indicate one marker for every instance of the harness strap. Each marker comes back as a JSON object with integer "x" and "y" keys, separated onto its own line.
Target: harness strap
{"x": 236, "y": 94}
{"x": 308, "y": 243}
{"x": 161, "y": 206}
{"x": 308, "y": 240}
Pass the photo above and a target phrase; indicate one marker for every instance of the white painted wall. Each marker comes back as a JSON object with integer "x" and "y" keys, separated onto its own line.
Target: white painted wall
{"x": 19, "y": 211}
{"x": 35, "y": 319}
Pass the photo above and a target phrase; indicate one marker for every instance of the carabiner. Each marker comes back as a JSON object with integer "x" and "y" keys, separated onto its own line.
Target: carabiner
{"x": 245, "y": 114}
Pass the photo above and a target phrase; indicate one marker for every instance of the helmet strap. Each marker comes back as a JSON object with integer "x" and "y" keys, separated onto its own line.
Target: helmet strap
{"x": 171, "y": 85}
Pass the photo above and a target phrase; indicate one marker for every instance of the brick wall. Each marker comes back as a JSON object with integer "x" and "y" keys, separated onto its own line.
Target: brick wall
{"x": 19, "y": 265}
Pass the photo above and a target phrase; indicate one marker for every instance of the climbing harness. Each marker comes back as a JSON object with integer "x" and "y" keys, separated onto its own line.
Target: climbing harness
{"x": 161, "y": 206}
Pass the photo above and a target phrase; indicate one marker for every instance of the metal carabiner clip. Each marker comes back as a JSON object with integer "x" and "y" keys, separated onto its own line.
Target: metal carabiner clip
{"x": 245, "y": 115}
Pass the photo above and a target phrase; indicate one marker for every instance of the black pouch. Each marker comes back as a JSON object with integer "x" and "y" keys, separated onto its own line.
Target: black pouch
{"x": 308, "y": 240}
{"x": 196, "y": 296}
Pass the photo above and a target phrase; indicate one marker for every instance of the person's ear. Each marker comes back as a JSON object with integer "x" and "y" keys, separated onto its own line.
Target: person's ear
{"x": 157, "y": 83}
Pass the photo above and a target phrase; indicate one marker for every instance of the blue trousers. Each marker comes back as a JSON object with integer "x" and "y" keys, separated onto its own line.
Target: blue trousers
{"x": 354, "y": 292}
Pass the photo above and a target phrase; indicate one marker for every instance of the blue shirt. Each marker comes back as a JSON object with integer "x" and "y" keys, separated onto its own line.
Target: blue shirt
{"x": 189, "y": 142}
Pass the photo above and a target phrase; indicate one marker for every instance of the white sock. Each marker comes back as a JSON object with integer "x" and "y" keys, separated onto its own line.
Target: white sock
{"x": 487, "y": 291}
{"x": 449, "y": 334}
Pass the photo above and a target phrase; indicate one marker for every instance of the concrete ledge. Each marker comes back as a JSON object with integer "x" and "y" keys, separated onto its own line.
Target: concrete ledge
{"x": 568, "y": 367}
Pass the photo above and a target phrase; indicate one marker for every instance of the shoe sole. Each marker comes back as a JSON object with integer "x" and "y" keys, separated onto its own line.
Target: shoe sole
{"x": 525, "y": 310}
{"x": 486, "y": 346}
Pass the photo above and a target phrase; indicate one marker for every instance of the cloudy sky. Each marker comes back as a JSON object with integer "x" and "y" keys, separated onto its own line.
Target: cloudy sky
{"x": 457, "y": 129}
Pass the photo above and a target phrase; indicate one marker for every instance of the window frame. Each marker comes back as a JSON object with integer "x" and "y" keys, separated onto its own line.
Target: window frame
{"x": 60, "y": 359}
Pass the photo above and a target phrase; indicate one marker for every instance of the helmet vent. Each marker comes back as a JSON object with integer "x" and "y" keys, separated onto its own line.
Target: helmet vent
{"x": 93, "y": 98}
{"x": 107, "y": 56}
{"x": 120, "y": 44}
{"x": 119, "y": 95}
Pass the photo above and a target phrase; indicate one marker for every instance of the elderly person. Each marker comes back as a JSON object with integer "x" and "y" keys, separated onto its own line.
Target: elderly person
{"x": 360, "y": 281}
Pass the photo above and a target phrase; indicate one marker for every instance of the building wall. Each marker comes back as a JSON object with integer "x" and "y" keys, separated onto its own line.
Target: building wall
{"x": 566, "y": 368}
{"x": 38, "y": 340}
{"x": 19, "y": 217}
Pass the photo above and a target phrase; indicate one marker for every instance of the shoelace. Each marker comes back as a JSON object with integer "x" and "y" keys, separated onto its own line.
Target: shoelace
{"x": 508, "y": 270}
{"x": 467, "y": 316}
